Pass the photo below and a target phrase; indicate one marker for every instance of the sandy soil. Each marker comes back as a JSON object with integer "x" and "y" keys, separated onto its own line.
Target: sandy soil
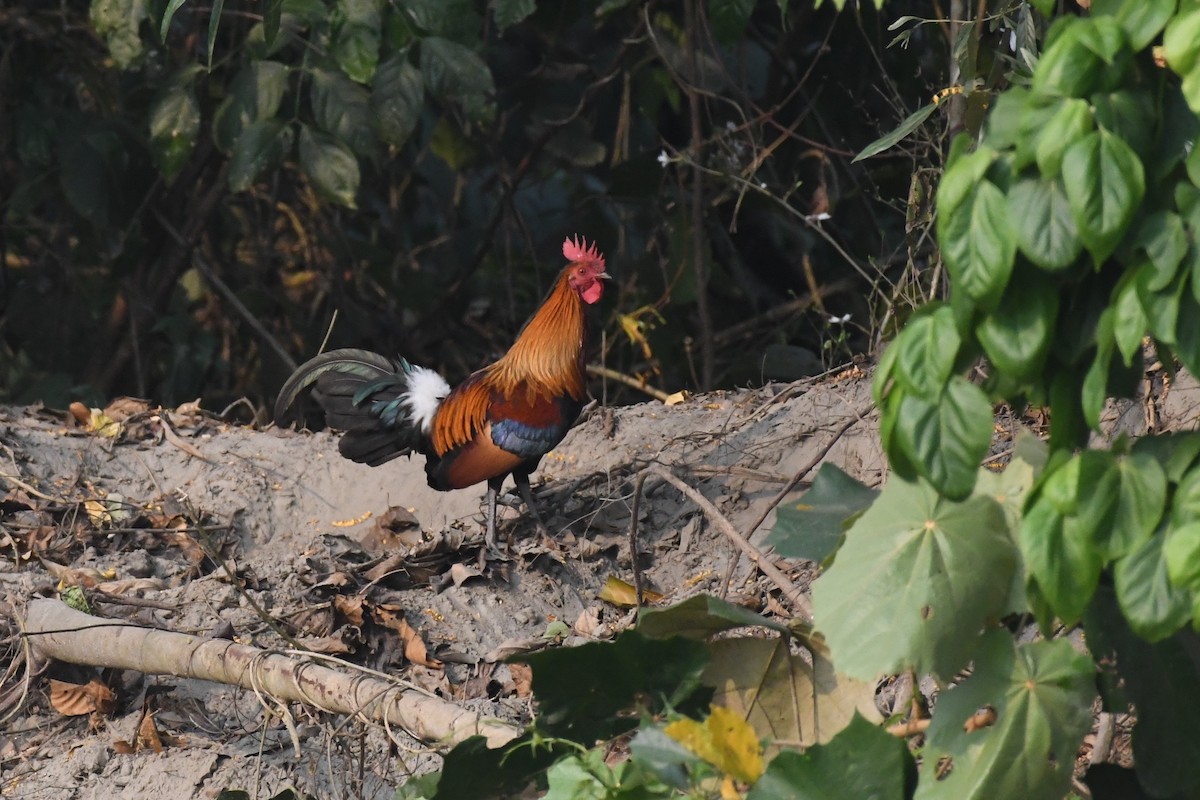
{"x": 300, "y": 527}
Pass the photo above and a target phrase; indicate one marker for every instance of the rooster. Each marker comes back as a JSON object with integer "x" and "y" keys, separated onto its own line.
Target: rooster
{"x": 500, "y": 421}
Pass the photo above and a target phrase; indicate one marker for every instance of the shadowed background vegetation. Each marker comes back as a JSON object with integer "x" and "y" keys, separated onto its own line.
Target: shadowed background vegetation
{"x": 191, "y": 191}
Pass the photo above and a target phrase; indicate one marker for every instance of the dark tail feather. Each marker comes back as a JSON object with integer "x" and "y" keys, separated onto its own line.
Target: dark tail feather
{"x": 356, "y": 391}
{"x": 343, "y": 370}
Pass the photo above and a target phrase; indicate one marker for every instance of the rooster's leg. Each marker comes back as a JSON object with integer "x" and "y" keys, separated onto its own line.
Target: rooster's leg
{"x": 522, "y": 481}
{"x": 492, "y": 493}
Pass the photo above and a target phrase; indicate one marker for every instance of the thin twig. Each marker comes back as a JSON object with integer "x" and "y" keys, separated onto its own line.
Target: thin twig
{"x": 604, "y": 372}
{"x": 911, "y": 727}
{"x": 774, "y": 573}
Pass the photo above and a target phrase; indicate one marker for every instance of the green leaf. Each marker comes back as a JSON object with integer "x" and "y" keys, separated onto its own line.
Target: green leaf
{"x": 214, "y": 25}
{"x": 1002, "y": 127}
{"x": 174, "y": 126}
{"x": 261, "y": 147}
{"x": 1124, "y": 113}
{"x": 510, "y": 12}
{"x": 728, "y": 19}
{"x": 272, "y": 15}
{"x": 356, "y": 50}
{"x": 1129, "y": 319}
{"x": 926, "y": 350}
{"x": 1095, "y": 382}
{"x": 914, "y": 582}
{"x": 455, "y": 73}
{"x": 902, "y": 131}
{"x": 1181, "y": 550}
{"x": 1141, "y": 19}
{"x": 1016, "y": 336}
{"x": 1181, "y": 41}
{"x": 330, "y": 165}
{"x": 254, "y": 96}
{"x": 1162, "y": 237}
{"x": 1009, "y": 489}
{"x": 1154, "y": 608}
{"x": 1161, "y": 307}
{"x": 1163, "y": 682}
{"x": 1060, "y": 531}
{"x": 1175, "y": 451}
{"x": 168, "y": 15}
{"x": 1105, "y": 183}
{"x": 1042, "y": 694}
{"x": 584, "y": 692}
{"x": 862, "y": 761}
{"x": 1046, "y": 230}
{"x": 1071, "y": 122}
{"x": 979, "y": 243}
{"x": 1141, "y": 502}
{"x": 397, "y": 97}
{"x": 811, "y": 527}
{"x": 700, "y": 617}
{"x": 1193, "y": 165}
{"x": 340, "y": 107}
{"x": 1074, "y": 64}
{"x": 948, "y": 437}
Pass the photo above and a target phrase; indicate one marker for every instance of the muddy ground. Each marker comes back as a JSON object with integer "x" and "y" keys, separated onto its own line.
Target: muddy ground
{"x": 300, "y": 528}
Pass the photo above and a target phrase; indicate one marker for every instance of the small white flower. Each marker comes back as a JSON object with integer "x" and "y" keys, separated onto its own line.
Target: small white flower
{"x": 818, "y": 217}
{"x": 663, "y": 158}
{"x": 842, "y": 320}
{"x": 729, "y": 126}
{"x": 762, "y": 184}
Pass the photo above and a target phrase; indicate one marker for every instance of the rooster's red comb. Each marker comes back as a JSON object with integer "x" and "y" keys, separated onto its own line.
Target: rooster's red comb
{"x": 577, "y": 249}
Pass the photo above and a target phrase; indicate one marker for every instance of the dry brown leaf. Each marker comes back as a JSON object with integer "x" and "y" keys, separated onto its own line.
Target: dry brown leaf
{"x": 512, "y": 647}
{"x": 414, "y": 646}
{"x": 461, "y": 573}
{"x": 329, "y": 645}
{"x": 73, "y": 699}
{"x": 131, "y": 586}
{"x": 122, "y": 747}
{"x": 588, "y": 621}
{"x": 522, "y": 676}
{"x": 384, "y": 568}
{"x": 349, "y": 607}
{"x": 147, "y": 735}
{"x": 122, "y": 408}
{"x": 80, "y": 413}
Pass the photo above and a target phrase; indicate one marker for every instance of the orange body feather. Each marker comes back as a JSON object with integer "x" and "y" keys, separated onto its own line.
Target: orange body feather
{"x": 539, "y": 382}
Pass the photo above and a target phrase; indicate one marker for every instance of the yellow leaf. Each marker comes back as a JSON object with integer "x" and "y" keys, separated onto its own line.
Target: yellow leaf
{"x": 620, "y": 593}
{"x": 724, "y": 740}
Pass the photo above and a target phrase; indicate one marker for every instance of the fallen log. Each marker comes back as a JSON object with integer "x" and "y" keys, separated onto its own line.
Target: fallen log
{"x": 57, "y": 631}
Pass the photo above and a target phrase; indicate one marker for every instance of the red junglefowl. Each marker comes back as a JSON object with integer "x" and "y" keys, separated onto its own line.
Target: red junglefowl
{"x": 498, "y": 422}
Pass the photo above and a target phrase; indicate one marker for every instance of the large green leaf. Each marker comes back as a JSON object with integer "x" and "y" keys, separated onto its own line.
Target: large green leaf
{"x": 1042, "y": 695}
{"x": 1061, "y": 527}
{"x": 728, "y": 19}
{"x": 979, "y": 242}
{"x": 585, "y": 692}
{"x": 1104, "y": 182}
{"x": 1074, "y": 63}
{"x": 1181, "y": 41}
{"x": 397, "y": 97}
{"x": 1154, "y": 608}
{"x": 1016, "y": 336}
{"x": 1129, "y": 319}
{"x": 1046, "y": 230}
{"x": 260, "y": 147}
{"x": 254, "y": 97}
{"x": 946, "y": 438}
{"x": 1141, "y": 19}
{"x": 1176, "y": 451}
{"x": 1162, "y": 237}
{"x": 340, "y": 107}
{"x": 356, "y": 40}
{"x": 811, "y": 526}
{"x": 925, "y": 351}
{"x": 1071, "y": 121}
{"x": 1009, "y": 489}
{"x": 510, "y": 12}
{"x": 914, "y": 582}
{"x": 456, "y": 74}
{"x": 330, "y": 165}
{"x": 1181, "y": 550}
{"x": 1141, "y": 502}
{"x": 862, "y": 761}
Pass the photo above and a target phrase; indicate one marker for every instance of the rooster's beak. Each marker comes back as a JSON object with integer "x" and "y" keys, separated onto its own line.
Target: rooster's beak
{"x": 604, "y": 276}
